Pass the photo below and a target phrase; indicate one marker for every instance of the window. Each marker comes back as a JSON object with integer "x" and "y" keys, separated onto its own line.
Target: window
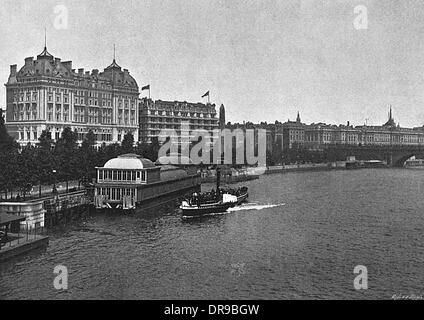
{"x": 143, "y": 176}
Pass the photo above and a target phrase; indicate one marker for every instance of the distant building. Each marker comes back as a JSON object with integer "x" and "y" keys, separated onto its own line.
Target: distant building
{"x": 320, "y": 135}
{"x": 274, "y": 134}
{"x": 293, "y": 133}
{"x": 157, "y": 115}
{"x": 48, "y": 94}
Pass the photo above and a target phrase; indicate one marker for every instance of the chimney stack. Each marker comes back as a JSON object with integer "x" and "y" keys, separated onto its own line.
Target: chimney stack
{"x": 67, "y": 64}
{"x": 29, "y": 60}
{"x": 13, "y": 68}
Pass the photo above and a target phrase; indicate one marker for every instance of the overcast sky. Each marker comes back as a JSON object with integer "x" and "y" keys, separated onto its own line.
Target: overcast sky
{"x": 264, "y": 60}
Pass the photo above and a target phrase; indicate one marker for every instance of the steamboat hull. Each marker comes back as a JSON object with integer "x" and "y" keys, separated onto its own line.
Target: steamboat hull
{"x": 196, "y": 211}
{"x": 242, "y": 198}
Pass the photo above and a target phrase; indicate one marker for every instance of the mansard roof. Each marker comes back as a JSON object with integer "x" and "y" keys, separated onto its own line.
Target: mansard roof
{"x": 45, "y": 55}
{"x": 113, "y": 65}
{"x": 47, "y": 65}
{"x": 119, "y": 77}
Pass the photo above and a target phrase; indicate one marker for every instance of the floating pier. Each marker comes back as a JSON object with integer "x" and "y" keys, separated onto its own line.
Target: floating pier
{"x": 13, "y": 241}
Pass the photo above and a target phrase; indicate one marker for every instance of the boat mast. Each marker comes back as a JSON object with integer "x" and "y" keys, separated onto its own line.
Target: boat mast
{"x": 218, "y": 178}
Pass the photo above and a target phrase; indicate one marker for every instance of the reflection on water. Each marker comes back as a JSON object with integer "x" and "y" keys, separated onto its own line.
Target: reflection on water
{"x": 300, "y": 236}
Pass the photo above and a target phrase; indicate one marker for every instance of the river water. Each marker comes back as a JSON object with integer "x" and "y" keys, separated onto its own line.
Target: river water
{"x": 299, "y": 237}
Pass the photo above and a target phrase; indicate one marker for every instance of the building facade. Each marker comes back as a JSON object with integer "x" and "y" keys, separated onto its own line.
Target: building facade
{"x": 48, "y": 94}
{"x": 273, "y": 131}
{"x": 155, "y": 116}
{"x": 317, "y": 136}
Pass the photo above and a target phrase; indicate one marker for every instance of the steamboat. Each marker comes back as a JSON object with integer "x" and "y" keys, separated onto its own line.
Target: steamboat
{"x": 129, "y": 182}
{"x": 218, "y": 201}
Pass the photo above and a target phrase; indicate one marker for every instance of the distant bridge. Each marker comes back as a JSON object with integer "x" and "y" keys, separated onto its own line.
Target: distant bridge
{"x": 394, "y": 155}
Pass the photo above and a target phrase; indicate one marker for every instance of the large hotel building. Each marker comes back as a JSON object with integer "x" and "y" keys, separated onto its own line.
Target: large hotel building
{"x": 48, "y": 94}
{"x": 158, "y": 115}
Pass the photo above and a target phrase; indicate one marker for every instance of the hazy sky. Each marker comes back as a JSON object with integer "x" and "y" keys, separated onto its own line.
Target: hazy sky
{"x": 263, "y": 59}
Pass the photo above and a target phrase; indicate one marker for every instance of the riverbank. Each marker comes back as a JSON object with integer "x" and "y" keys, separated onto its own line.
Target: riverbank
{"x": 339, "y": 165}
{"x": 253, "y": 173}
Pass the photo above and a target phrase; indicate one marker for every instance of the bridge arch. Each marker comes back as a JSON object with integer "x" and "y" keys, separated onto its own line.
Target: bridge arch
{"x": 399, "y": 160}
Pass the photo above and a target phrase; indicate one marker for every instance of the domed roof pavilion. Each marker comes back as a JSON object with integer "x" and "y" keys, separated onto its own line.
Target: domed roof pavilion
{"x": 129, "y": 161}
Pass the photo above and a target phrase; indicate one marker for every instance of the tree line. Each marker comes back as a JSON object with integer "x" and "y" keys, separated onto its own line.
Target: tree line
{"x": 63, "y": 160}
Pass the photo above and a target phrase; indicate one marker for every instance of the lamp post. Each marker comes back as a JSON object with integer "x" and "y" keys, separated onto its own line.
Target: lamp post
{"x": 54, "y": 191}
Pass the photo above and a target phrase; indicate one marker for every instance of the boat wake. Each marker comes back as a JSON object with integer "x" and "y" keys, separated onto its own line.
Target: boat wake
{"x": 254, "y": 206}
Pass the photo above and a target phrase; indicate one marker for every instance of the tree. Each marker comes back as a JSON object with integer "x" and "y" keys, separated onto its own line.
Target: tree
{"x": 152, "y": 150}
{"x": 45, "y": 140}
{"x": 128, "y": 143}
{"x": 88, "y": 158}
{"x": 8, "y": 153}
{"x": 107, "y": 152}
{"x": 141, "y": 148}
{"x": 6, "y": 141}
{"x": 27, "y": 175}
{"x": 66, "y": 154}
{"x": 8, "y": 169}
